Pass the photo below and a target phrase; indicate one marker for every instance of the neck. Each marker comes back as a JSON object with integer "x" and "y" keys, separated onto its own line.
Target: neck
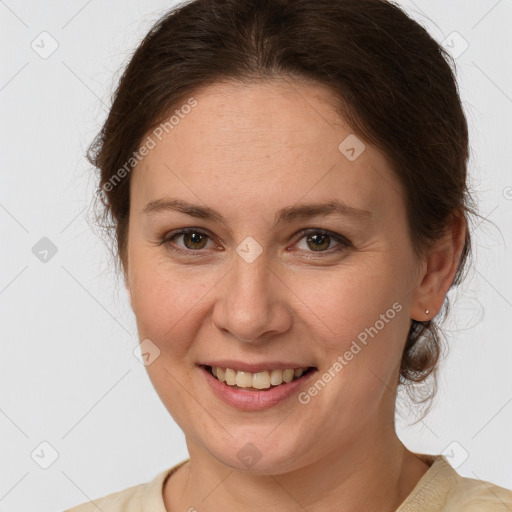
{"x": 376, "y": 475}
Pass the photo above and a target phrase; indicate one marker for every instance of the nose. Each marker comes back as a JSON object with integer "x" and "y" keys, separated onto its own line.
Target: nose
{"x": 252, "y": 302}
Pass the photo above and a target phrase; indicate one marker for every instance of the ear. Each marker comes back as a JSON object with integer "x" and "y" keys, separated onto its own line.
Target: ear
{"x": 438, "y": 271}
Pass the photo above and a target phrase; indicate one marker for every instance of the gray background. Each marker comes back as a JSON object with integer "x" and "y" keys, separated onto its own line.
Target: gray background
{"x": 68, "y": 374}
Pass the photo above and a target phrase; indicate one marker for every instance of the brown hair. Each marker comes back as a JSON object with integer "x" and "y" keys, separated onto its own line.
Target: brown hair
{"x": 393, "y": 83}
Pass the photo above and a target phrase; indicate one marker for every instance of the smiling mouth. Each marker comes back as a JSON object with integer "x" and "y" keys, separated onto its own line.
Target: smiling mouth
{"x": 260, "y": 381}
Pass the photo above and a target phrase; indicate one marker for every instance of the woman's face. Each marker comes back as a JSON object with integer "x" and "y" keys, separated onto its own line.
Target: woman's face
{"x": 246, "y": 288}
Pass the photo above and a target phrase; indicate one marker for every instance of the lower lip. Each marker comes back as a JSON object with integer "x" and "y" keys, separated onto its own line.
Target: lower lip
{"x": 254, "y": 400}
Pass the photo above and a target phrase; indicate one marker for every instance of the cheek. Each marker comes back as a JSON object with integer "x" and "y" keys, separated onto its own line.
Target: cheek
{"x": 166, "y": 298}
{"x": 359, "y": 321}
{"x": 346, "y": 301}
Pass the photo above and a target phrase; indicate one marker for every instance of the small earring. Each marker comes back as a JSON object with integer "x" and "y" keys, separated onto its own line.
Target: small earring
{"x": 427, "y": 311}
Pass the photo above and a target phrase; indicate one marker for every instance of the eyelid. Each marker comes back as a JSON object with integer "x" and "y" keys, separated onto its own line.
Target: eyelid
{"x": 343, "y": 242}
{"x": 332, "y": 234}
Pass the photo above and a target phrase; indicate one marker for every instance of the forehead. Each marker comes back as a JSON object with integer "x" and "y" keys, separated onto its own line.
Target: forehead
{"x": 264, "y": 144}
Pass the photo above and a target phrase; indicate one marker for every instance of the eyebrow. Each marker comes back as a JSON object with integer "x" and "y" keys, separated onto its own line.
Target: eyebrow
{"x": 287, "y": 214}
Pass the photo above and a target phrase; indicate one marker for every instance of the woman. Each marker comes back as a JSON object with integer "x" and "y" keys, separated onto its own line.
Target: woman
{"x": 287, "y": 184}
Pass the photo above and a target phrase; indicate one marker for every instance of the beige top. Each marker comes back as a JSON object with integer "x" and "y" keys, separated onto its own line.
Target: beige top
{"x": 440, "y": 489}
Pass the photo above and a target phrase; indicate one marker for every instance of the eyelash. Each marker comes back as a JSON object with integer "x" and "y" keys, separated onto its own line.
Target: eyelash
{"x": 168, "y": 240}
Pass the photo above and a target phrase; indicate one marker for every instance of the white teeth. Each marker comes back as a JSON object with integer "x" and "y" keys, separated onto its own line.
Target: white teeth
{"x": 221, "y": 374}
{"x": 259, "y": 380}
{"x": 288, "y": 375}
{"x": 276, "y": 377}
{"x": 230, "y": 376}
{"x": 243, "y": 379}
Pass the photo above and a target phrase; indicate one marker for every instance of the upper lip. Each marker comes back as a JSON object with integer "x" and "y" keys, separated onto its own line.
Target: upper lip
{"x": 254, "y": 367}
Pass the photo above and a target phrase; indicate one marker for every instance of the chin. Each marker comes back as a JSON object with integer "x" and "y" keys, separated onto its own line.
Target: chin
{"x": 257, "y": 454}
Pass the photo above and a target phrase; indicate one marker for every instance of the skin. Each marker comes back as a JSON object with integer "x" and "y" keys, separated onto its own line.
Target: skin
{"x": 247, "y": 151}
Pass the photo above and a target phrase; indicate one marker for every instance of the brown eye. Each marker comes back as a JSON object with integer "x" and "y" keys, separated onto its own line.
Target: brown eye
{"x": 319, "y": 240}
{"x": 193, "y": 240}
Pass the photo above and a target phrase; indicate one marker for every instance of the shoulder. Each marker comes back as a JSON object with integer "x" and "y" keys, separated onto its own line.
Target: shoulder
{"x": 442, "y": 489}
{"x": 472, "y": 495}
{"x": 145, "y": 497}
{"x": 127, "y": 500}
